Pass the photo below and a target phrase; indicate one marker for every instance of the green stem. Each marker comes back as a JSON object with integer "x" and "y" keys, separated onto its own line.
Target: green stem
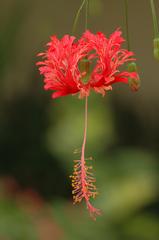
{"x": 154, "y": 16}
{"x": 86, "y": 15}
{"x": 77, "y": 16}
{"x": 126, "y": 24}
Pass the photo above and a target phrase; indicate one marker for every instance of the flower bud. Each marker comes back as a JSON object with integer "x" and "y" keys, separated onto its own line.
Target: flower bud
{"x": 156, "y": 48}
{"x": 134, "y": 81}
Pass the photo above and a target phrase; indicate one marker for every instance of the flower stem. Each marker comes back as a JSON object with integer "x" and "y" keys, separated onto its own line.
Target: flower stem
{"x": 86, "y": 15}
{"x": 126, "y": 24}
{"x": 154, "y": 16}
{"x": 77, "y": 16}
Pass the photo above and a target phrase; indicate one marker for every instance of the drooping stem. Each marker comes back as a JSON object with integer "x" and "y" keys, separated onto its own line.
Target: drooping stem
{"x": 127, "y": 24}
{"x": 86, "y": 14}
{"x": 77, "y": 16}
{"x": 154, "y": 17}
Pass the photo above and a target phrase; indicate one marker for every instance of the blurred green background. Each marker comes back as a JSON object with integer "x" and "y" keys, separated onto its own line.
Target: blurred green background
{"x": 38, "y": 135}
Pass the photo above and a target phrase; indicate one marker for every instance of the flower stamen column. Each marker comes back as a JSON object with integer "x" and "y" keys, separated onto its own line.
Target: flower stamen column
{"x": 82, "y": 179}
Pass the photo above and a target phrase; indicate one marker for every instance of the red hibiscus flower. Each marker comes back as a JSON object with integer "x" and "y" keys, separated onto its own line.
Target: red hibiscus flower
{"x": 61, "y": 65}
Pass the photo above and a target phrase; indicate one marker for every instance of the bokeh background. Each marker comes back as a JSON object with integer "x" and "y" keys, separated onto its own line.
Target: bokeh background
{"x": 38, "y": 135}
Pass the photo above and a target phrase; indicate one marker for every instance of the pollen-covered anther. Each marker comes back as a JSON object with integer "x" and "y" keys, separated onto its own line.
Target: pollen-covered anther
{"x": 83, "y": 182}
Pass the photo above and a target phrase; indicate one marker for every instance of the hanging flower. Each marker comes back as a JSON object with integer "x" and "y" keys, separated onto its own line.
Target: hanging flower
{"x": 73, "y": 66}
{"x": 62, "y": 59}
